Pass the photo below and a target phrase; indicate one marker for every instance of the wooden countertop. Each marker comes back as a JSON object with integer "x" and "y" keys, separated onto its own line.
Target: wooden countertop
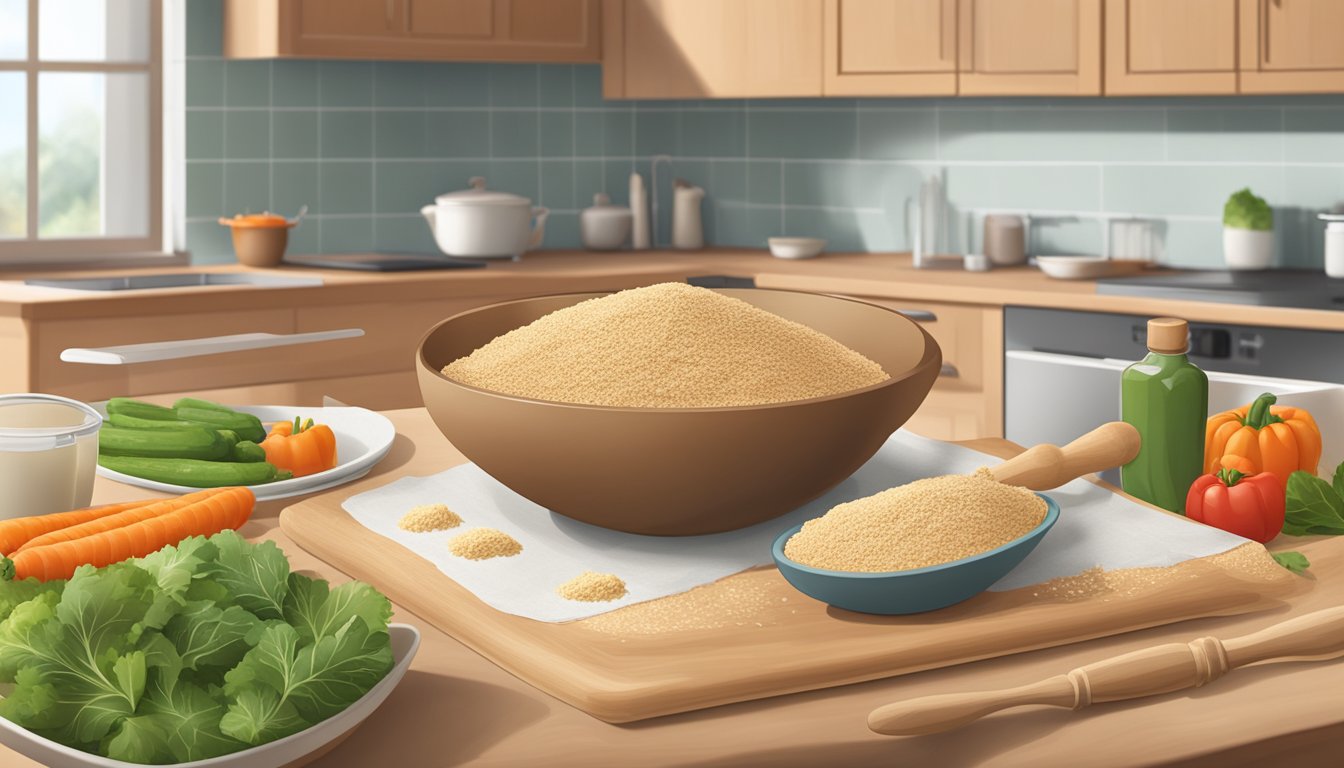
{"x": 877, "y": 275}
{"x": 454, "y": 707}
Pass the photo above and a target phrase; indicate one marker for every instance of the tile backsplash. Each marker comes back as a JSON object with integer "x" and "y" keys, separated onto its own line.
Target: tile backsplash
{"x": 365, "y": 144}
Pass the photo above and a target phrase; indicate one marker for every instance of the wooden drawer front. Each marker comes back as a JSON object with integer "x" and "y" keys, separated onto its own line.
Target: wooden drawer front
{"x": 392, "y": 333}
{"x": 380, "y": 392}
{"x": 958, "y": 331}
{"x": 97, "y": 382}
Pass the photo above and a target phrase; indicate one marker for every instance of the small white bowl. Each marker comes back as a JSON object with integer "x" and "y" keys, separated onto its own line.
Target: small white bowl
{"x": 796, "y": 247}
{"x": 294, "y": 750}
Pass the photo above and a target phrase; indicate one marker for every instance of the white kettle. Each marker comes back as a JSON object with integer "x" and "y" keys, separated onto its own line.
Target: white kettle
{"x": 485, "y": 224}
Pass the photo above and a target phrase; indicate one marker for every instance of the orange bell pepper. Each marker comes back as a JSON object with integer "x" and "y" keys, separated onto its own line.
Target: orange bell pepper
{"x": 1237, "y": 501}
{"x": 1273, "y": 438}
{"x": 301, "y": 447}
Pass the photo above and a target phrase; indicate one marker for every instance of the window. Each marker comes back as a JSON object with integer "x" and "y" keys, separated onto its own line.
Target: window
{"x": 80, "y": 129}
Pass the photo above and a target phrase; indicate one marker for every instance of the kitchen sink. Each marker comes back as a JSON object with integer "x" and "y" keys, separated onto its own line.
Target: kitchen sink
{"x": 172, "y": 280}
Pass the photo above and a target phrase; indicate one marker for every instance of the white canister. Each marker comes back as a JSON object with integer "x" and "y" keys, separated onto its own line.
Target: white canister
{"x": 1334, "y": 245}
{"x": 48, "y": 454}
{"x": 604, "y": 227}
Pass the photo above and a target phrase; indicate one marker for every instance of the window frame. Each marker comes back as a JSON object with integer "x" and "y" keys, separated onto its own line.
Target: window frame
{"x": 30, "y": 248}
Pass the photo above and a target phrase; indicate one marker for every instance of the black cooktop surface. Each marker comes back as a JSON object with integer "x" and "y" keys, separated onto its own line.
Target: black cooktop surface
{"x": 1304, "y": 289}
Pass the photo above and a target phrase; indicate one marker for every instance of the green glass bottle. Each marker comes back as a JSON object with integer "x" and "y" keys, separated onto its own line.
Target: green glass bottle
{"x": 1166, "y": 398}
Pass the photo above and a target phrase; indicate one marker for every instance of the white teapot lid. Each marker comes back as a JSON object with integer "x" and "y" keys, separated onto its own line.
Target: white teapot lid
{"x": 479, "y": 195}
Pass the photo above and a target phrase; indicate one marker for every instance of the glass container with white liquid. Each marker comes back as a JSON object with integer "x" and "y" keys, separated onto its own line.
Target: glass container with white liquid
{"x": 48, "y": 454}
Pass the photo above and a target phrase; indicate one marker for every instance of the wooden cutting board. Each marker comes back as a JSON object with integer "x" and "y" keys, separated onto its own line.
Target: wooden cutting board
{"x": 752, "y": 635}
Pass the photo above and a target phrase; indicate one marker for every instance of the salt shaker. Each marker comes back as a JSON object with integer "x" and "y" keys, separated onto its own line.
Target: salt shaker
{"x": 688, "y": 231}
{"x": 1334, "y": 244}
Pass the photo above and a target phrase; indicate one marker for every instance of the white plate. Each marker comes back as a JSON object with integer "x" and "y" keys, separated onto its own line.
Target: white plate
{"x": 1087, "y": 267}
{"x": 289, "y": 750}
{"x": 363, "y": 438}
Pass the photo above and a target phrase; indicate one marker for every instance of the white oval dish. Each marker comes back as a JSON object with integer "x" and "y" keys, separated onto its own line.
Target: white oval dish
{"x": 796, "y": 247}
{"x": 297, "y": 749}
{"x": 1088, "y": 267}
{"x": 363, "y": 438}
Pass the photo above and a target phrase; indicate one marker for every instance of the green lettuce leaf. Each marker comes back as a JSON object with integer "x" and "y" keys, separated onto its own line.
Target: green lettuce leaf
{"x": 1314, "y": 507}
{"x": 206, "y": 635}
{"x": 175, "y": 567}
{"x": 255, "y": 575}
{"x": 316, "y": 611}
{"x": 259, "y": 715}
{"x": 315, "y": 681}
{"x": 14, "y": 593}
{"x": 1339, "y": 479}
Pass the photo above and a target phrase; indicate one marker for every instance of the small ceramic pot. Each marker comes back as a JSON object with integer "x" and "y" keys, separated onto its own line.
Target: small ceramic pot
{"x": 259, "y": 239}
{"x": 483, "y": 223}
{"x": 1248, "y": 248}
{"x": 604, "y": 227}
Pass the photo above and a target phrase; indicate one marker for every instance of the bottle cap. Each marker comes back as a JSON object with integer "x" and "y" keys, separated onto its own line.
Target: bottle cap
{"x": 1168, "y": 335}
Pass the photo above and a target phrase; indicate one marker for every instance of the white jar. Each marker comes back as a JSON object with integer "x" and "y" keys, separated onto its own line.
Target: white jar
{"x": 1334, "y": 247}
{"x": 604, "y": 227}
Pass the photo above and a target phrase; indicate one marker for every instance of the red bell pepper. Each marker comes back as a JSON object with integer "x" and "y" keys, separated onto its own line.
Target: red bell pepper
{"x": 1249, "y": 505}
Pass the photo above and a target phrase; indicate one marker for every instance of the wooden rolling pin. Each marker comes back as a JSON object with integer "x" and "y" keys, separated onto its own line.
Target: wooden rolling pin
{"x": 1149, "y": 672}
{"x": 1049, "y": 466}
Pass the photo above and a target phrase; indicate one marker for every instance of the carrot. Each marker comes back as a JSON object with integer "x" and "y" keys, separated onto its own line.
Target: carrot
{"x": 208, "y": 512}
{"x": 121, "y": 519}
{"x": 301, "y": 447}
{"x": 20, "y": 530}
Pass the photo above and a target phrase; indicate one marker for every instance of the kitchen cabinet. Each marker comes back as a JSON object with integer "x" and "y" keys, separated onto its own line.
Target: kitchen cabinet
{"x": 1292, "y": 46}
{"x": 690, "y": 49}
{"x": 462, "y": 30}
{"x": 967, "y": 399}
{"x": 890, "y": 48}
{"x": 1158, "y": 47}
{"x": 1029, "y": 47}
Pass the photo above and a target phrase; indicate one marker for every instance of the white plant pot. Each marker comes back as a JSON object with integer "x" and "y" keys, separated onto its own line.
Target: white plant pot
{"x": 1248, "y": 248}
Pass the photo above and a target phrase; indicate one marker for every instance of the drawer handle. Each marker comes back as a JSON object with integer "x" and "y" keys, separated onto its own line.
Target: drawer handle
{"x": 155, "y": 351}
{"x": 949, "y": 371}
{"x": 919, "y": 315}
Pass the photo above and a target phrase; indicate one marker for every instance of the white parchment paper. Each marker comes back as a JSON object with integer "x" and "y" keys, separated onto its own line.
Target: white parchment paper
{"x": 1095, "y": 528}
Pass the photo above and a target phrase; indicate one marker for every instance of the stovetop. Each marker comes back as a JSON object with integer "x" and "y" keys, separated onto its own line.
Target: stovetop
{"x": 1300, "y": 289}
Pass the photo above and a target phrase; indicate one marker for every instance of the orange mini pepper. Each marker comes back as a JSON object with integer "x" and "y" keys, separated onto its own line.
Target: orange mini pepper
{"x": 301, "y": 447}
{"x": 1273, "y": 438}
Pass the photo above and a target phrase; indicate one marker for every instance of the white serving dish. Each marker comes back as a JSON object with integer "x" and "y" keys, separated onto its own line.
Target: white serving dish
{"x": 363, "y": 438}
{"x": 1088, "y": 267}
{"x": 485, "y": 224}
{"x": 300, "y": 748}
{"x": 796, "y": 247}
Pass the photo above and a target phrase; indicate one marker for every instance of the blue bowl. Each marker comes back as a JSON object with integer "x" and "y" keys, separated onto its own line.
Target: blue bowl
{"x": 917, "y": 590}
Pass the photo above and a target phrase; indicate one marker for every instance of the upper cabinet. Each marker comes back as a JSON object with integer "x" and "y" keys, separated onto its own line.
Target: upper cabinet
{"x": 687, "y": 49}
{"x": 462, "y": 30}
{"x": 1029, "y": 47}
{"x": 1165, "y": 47}
{"x": 1292, "y": 46}
{"x": 886, "y": 47}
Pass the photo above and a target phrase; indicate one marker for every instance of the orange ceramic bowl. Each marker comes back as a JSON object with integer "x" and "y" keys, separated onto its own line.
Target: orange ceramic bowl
{"x": 674, "y": 471}
{"x": 259, "y": 239}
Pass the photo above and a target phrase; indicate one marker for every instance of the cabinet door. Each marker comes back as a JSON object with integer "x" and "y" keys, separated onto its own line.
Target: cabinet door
{"x": 1030, "y": 47}
{"x": 890, "y": 47}
{"x": 687, "y": 49}
{"x": 1292, "y": 46}
{"x": 445, "y": 30}
{"x": 1159, "y": 46}
{"x": 331, "y": 25}
{"x": 512, "y": 30}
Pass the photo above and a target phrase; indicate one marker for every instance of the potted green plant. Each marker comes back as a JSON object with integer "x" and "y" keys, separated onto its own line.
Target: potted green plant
{"x": 1248, "y": 231}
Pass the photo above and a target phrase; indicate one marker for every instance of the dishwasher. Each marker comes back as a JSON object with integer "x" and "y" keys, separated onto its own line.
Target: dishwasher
{"x": 1062, "y": 372}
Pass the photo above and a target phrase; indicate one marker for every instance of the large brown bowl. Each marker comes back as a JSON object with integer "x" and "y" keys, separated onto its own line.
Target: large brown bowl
{"x": 679, "y": 471}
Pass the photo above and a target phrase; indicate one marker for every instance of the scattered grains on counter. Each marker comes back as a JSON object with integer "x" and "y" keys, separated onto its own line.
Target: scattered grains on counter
{"x": 669, "y": 345}
{"x": 927, "y": 522}
{"x": 590, "y": 587}
{"x": 483, "y": 544}
{"x": 427, "y": 518}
